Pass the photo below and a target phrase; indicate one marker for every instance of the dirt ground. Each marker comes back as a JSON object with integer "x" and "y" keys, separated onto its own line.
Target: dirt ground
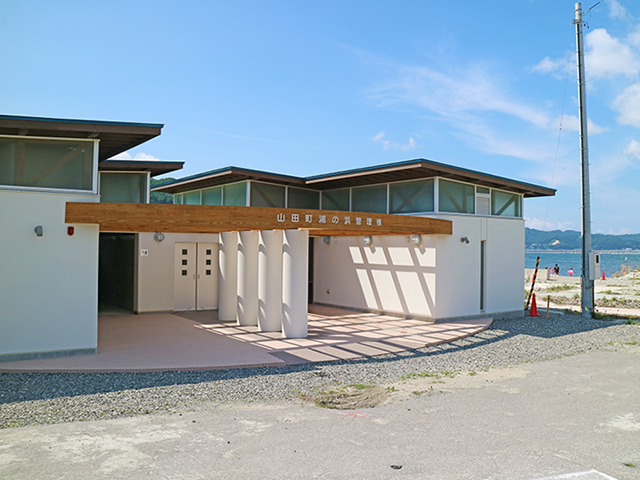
{"x": 354, "y": 397}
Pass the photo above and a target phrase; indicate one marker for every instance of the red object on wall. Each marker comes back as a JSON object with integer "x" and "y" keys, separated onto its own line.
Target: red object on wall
{"x": 70, "y": 231}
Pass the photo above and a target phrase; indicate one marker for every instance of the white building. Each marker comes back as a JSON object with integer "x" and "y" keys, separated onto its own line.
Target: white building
{"x": 475, "y": 270}
{"x": 48, "y": 268}
{"x": 416, "y": 238}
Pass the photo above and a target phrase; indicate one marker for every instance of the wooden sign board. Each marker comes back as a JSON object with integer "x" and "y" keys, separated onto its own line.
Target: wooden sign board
{"x": 140, "y": 217}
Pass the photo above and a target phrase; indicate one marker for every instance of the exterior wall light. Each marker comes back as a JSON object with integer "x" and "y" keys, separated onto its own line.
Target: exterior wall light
{"x": 158, "y": 237}
{"x": 39, "y": 231}
{"x": 464, "y": 240}
{"x": 416, "y": 239}
{"x": 327, "y": 240}
{"x": 368, "y": 240}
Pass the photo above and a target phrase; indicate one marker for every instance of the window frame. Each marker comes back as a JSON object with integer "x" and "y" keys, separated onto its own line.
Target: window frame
{"x": 456, "y": 213}
{"x": 520, "y": 198}
{"x": 385, "y": 185}
{"x": 260, "y": 182}
{"x": 94, "y": 169}
{"x": 417, "y": 213}
{"x": 147, "y": 180}
{"x": 319, "y": 192}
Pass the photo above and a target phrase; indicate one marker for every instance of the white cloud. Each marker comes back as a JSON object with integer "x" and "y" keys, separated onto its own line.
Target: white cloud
{"x": 621, "y": 231}
{"x": 616, "y": 10}
{"x": 558, "y": 67}
{"x": 634, "y": 37}
{"x": 489, "y": 142}
{"x": 608, "y": 56}
{"x": 628, "y": 106}
{"x": 607, "y": 172}
{"x": 571, "y": 123}
{"x": 138, "y": 156}
{"x": 538, "y": 224}
{"x": 144, "y": 156}
{"x": 605, "y": 56}
{"x": 454, "y": 96}
{"x": 388, "y": 145}
{"x": 633, "y": 149}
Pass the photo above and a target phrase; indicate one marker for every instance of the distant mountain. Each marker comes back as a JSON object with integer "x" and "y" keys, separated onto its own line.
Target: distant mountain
{"x": 572, "y": 240}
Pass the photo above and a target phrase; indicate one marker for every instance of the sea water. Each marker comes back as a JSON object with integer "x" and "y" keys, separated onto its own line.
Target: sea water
{"x": 610, "y": 262}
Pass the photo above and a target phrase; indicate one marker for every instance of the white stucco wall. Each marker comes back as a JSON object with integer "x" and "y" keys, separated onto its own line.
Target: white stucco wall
{"x": 458, "y": 268}
{"x": 438, "y": 279}
{"x": 391, "y": 275}
{"x": 155, "y": 282}
{"x": 505, "y": 264}
{"x": 48, "y": 284}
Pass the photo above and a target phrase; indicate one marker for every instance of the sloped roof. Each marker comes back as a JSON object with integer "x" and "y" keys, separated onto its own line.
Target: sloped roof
{"x": 391, "y": 172}
{"x": 115, "y": 137}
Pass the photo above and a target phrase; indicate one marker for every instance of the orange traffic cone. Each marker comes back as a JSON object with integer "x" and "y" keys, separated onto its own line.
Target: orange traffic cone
{"x": 603, "y": 274}
{"x": 534, "y": 309}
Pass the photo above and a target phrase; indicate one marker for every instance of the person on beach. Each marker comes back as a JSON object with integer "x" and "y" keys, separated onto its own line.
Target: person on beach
{"x": 570, "y": 272}
{"x": 556, "y": 270}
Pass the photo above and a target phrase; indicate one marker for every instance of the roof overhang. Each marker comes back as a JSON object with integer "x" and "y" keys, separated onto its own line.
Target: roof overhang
{"x": 141, "y": 217}
{"x": 115, "y": 137}
{"x": 421, "y": 168}
{"x": 155, "y": 168}
{"x": 393, "y": 172}
{"x": 225, "y": 176}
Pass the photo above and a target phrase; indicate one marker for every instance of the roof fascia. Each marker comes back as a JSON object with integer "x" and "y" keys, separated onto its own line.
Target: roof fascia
{"x": 155, "y": 168}
{"x": 194, "y": 182}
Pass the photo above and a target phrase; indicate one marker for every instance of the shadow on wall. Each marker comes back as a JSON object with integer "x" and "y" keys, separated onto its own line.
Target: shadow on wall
{"x": 391, "y": 274}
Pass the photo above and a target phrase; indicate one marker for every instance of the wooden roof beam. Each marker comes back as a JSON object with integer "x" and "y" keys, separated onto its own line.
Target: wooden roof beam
{"x": 140, "y": 217}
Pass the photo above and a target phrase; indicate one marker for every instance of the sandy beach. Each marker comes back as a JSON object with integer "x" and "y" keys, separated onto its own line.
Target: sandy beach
{"x": 614, "y": 296}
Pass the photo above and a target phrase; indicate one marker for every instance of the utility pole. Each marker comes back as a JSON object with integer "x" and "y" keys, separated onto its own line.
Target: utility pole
{"x": 586, "y": 302}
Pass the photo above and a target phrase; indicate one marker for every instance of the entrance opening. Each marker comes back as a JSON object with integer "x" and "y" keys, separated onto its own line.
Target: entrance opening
{"x": 483, "y": 244}
{"x": 195, "y": 276}
{"x": 311, "y": 243}
{"x": 116, "y": 266}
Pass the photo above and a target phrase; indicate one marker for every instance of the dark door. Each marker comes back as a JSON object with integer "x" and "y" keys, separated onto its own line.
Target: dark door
{"x": 311, "y": 243}
{"x": 116, "y": 272}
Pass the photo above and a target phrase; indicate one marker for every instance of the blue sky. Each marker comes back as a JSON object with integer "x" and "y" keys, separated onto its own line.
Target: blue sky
{"x": 309, "y": 87}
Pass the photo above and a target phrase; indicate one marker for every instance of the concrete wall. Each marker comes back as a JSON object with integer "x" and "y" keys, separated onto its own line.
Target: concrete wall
{"x": 48, "y": 284}
{"x": 155, "y": 282}
{"x": 438, "y": 279}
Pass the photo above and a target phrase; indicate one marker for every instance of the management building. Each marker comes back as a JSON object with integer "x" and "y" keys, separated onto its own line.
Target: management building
{"x": 415, "y": 238}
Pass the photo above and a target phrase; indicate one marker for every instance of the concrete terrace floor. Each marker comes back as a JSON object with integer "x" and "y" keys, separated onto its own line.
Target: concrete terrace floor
{"x": 199, "y": 341}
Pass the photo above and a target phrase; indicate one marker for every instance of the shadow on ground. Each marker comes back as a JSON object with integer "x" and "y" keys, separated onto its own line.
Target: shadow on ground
{"x": 20, "y": 387}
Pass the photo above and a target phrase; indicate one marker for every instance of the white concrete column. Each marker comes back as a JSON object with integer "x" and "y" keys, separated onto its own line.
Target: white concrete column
{"x": 295, "y": 279}
{"x": 270, "y": 281}
{"x": 248, "y": 278}
{"x": 228, "y": 276}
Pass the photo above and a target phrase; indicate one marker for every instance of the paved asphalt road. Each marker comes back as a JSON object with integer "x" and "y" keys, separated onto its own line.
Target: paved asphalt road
{"x": 548, "y": 419}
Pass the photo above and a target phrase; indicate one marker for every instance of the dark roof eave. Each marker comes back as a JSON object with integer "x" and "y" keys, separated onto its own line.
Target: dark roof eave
{"x": 393, "y": 172}
{"x": 224, "y": 176}
{"x": 115, "y": 137}
{"x": 155, "y": 168}
{"x": 422, "y": 168}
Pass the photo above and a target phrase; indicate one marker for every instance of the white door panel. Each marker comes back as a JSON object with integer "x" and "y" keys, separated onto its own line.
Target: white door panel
{"x": 207, "y": 277}
{"x": 185, "y": 277}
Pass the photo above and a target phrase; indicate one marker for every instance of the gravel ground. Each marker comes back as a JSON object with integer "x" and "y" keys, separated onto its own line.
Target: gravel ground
{"x": 612, "y": 302}
{"x": 41, "y": 398}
